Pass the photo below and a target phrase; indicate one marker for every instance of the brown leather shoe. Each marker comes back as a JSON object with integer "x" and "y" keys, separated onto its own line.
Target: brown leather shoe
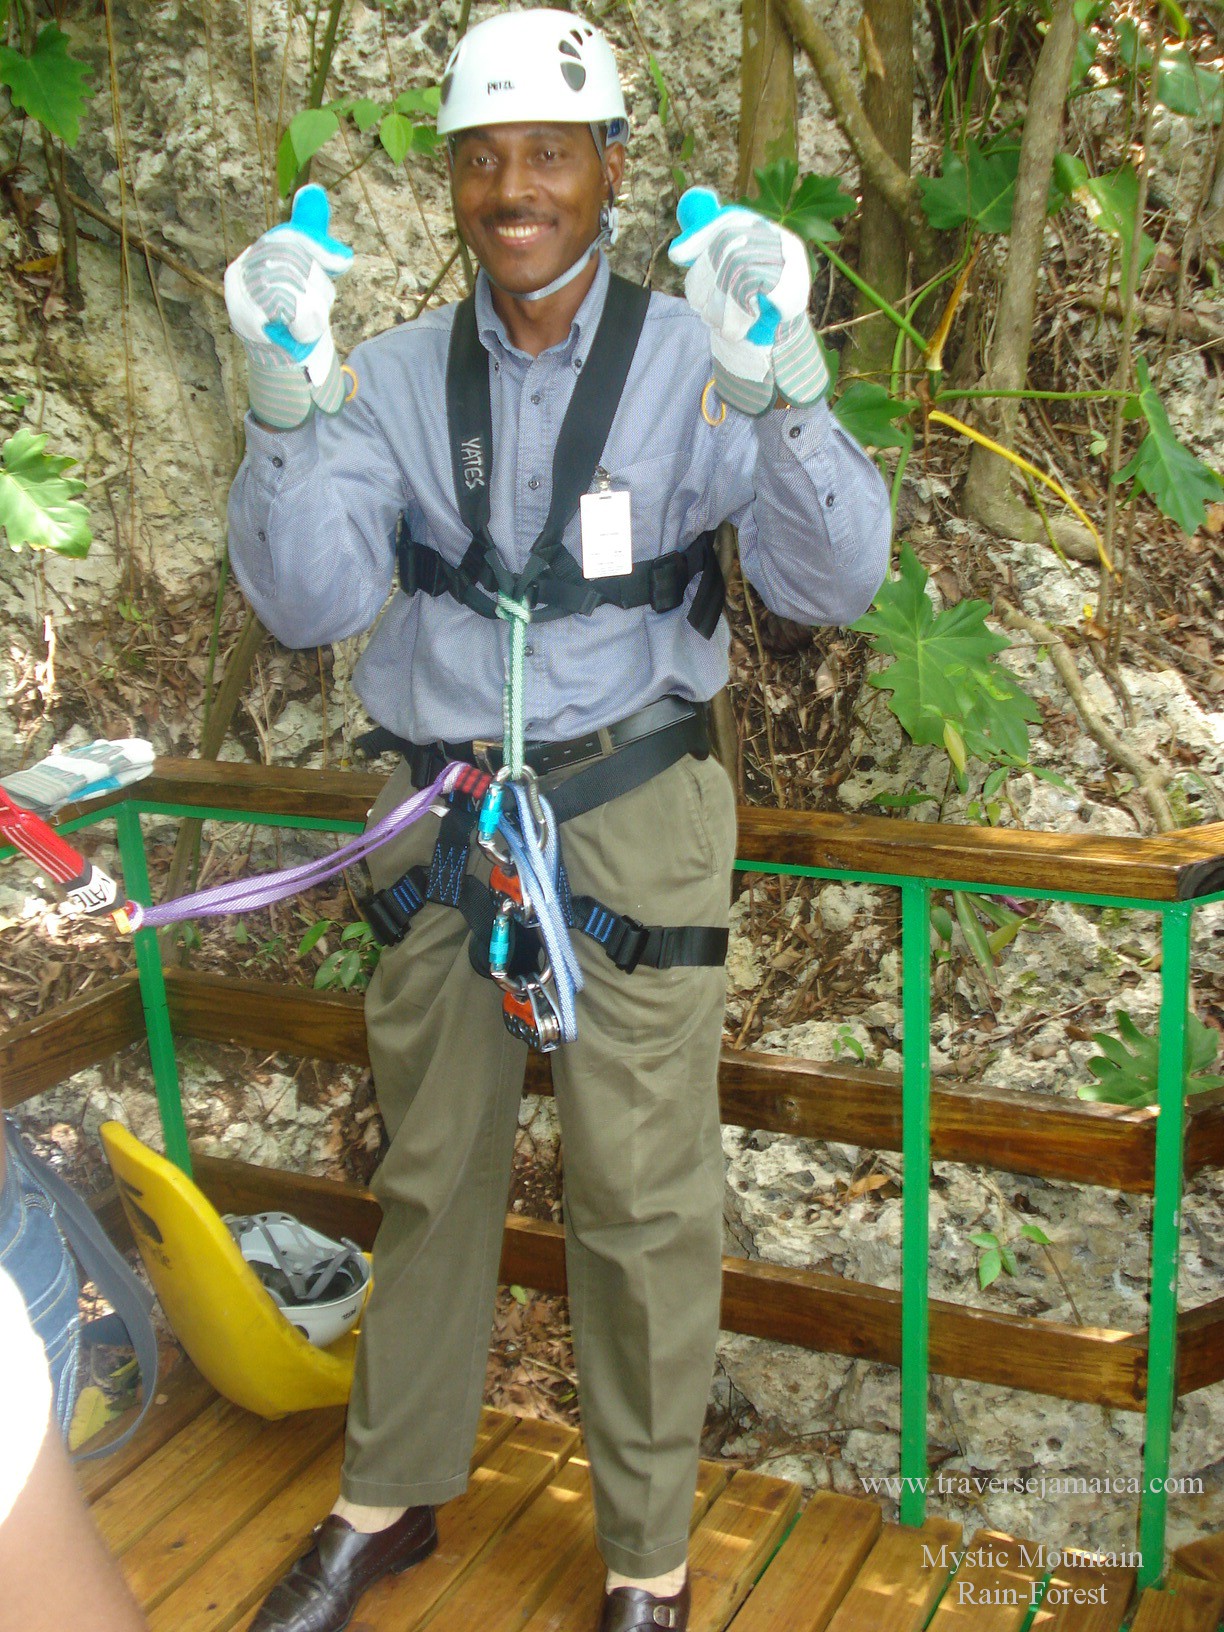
{"x": 321, "y": 1591}
{"x": 632, "y": 1609}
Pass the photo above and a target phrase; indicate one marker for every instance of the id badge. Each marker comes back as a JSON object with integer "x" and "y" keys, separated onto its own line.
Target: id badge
{"x": 607, "y": 533}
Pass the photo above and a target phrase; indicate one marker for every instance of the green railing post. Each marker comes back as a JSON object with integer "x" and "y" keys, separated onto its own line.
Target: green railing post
{"x": 153, "y": 993}
{"x": 1166, "y": 1236}
{"x": 915, "y": 1193}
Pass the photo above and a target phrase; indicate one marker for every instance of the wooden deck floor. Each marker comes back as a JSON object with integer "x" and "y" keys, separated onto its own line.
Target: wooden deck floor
{"x": 208, "y": 1505}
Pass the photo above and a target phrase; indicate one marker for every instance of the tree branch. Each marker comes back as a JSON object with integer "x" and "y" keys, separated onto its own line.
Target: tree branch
{"x": 898, "y": 190}
{"x": 1150, "y": 780}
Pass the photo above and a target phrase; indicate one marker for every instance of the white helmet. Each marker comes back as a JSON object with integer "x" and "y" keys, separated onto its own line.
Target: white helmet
{"x": 522, "y": 66}
{"x": 319, "y": 1284}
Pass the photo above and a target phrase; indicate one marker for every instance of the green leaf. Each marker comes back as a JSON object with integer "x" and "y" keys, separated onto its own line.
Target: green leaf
{"x": 37, "y": 506}
{"x": 1110, "y": 201}
{"x": 424, "y": 99}
{"x": 313, "y": 936}
{"x": 978, "y": 186}
{"x": 395, "y": 134}
{"x": 984, "y": 1238}
{"x": 1052, "y": 777}
{"x": 1009, "y": 1259}
{"x": 425, "y": 139}
{"x": 1034, "y": 1232}
{"x": 1183, "y": 87}
{"x": 365, "y": 113}
{"x": 869, "y": 414}
{"x": 995, "y": 781}
{"x": 660, "y": 85}
{"x": 903, "y": 801}
{"x": 356, "y": 932}
{"x": 971, "y": 928}
{"x": 807, "y": 208}
{"x": 348, "y": 968}
{"x": 941, "y": 922}
{"x": 943, "y": 669}
{"x": 1126, "y": 1067}
{"x": 305, "y": 135}
{"x": 49, "y": 84}
{"x": 989, "y": 1265}
{"x": 518, "y": 1293}
{"x": 1086, "y": 14}
{"x": 1181, "y": 485}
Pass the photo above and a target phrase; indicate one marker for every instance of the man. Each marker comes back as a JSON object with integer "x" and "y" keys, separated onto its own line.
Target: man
{"x": 535, "y": 123}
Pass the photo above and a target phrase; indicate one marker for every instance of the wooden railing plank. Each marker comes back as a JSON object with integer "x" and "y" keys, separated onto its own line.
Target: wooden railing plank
{"x": 822, "y": 1312}
{"x": 1172, "y": 867}
{"x": 37, "y": 1054}
{"x": 1041, "y": 1135}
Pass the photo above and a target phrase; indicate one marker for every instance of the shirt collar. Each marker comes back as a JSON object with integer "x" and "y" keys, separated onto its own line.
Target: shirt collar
{"x": 586, "y": 319}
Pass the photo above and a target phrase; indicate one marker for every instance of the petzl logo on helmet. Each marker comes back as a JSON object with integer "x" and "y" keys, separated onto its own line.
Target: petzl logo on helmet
{"x": 471, "y": 455}
{"x": 499, "y": 85}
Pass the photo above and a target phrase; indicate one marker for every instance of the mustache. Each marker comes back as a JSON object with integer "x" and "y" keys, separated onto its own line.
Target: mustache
{"x": 515, "y": 219}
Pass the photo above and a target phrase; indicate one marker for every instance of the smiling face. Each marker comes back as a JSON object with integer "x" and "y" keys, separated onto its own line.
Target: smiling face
{"x": 527, "y": 198}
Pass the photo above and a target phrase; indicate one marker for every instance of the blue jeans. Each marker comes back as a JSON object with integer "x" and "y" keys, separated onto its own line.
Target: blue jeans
{"x": 33, "y": 1252}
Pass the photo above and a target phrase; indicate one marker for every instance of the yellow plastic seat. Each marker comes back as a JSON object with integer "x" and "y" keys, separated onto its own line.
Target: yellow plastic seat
{"x": 230, "y": 1327}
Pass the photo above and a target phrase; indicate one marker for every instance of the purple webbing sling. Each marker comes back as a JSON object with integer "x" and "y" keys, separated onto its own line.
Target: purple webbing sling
{"x": 245, "y": 894}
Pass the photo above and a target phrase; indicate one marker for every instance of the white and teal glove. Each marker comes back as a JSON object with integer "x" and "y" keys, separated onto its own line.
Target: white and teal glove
{"x": 749, "y": 279}
{"x": 279, "y": 295}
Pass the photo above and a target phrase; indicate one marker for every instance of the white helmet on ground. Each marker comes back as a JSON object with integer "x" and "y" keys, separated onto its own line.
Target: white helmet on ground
{"x": 320, "y": 1285}
{"x": 524, "y": 66}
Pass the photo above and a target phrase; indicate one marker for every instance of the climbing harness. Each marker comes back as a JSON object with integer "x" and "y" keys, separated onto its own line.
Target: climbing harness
{"x": 520, "y": 922}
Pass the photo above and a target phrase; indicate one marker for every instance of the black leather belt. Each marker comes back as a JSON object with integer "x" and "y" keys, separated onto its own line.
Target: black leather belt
{"x": 669, "y": 714}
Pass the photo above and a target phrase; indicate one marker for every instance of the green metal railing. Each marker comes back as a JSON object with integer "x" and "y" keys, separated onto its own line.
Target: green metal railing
{"x": 916, "y": 894}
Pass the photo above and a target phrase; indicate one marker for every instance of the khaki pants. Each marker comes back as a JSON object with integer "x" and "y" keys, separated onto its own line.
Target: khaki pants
{"x": 637, "y": 1097}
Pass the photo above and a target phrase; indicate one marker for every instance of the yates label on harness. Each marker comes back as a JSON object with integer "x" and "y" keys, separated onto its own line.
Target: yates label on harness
{"x": 472, "y": 456}
{"x": 607, "y": 534}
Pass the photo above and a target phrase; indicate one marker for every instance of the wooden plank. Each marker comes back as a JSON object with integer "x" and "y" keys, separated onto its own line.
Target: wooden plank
{"x": 1042, "y": 1135}
{"x": 733, "y": 1543}
{"x": 994, "y": 1588}
{"x": 186, "y": 1539}
{"x": 239, "y": 1575}
{"x": 822, "y": 1312}
{"x": 36, "y": 1054}
{"x": 506, "y": 1483}
{"x": 901, "y": 1580}
{"x": 1203, "y": 1558}
{"x": 264, "y": 1014}
{"x": 832, "y": 1315}
{"x": 171, "y": 1474}
{"x": 181, "y": 1395}
{"x": 574, "y": 1599}
{"x": 1200, "y": 1346}
{"x": 1184, "y": 1605}
{"x": 1174, "y": 866}
{"x": 1085, "y": 1597}
{"x": 812, "y": 1573}
{"x": 500, "y": 1593}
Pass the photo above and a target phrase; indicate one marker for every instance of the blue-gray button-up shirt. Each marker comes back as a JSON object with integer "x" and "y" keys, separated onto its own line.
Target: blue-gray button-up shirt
{"x": 312, "y": 518}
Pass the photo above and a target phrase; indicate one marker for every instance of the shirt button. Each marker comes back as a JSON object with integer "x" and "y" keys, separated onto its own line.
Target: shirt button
{"x": 828, "y": 501}
{"x": 528, "y": 651}
{"x": 535, "y": 397}
{"x": 277, "y": 460}
{"x": 496, "y": 367}
{"x": 533, "y": 482}
{"x": 263, "y": 537}
{"x": 795, "y": 430}
{"x": 577, "y": 364}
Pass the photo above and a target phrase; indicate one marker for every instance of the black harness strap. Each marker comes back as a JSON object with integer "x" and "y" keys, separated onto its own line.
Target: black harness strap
{"x": 552, "y": 581}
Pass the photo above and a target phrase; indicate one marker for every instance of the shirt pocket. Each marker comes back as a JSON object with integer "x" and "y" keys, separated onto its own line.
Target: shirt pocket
{"x": 666, "y": 504}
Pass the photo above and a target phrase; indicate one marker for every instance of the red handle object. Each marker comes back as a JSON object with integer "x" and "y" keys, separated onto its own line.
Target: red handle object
{"x": 86, "y": 886}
